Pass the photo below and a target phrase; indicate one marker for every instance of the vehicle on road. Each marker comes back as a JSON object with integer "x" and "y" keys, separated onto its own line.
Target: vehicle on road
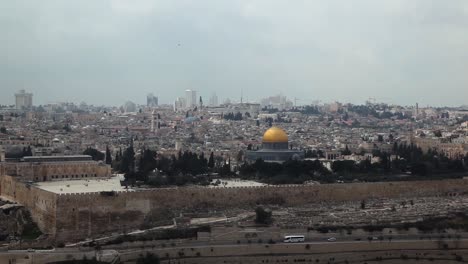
{"x": 294, "y": 239}
{"x": 331, "y": 239}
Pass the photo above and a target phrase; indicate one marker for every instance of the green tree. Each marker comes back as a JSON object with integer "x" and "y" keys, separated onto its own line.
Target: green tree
{"x": 225, "y": 169}
{"x": 148, "y": 259}
{"x": 117, "y": 160}
{"x": 67, "y": 128}
{"x": 27, "y": 152}
{"x": 438, "y": 133}
{"x": 211, "y": 162}
{"x": 346, "y": 151}
{"x": 147, "y": 162}
{"x": 263, "y": 216}
{"x": 108, "y": 156}
{"x": 94, "y": 153}
{"x": 240, "y": 155}
{"x": 127, "y": 163}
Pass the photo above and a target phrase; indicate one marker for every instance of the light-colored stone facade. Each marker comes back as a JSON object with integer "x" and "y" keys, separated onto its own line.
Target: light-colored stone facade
{"x": 40, "y": 203}
{"x": 55, "y": 170}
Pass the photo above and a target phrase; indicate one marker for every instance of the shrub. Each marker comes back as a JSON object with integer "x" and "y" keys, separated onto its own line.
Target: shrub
{"x": 263, "y": 216}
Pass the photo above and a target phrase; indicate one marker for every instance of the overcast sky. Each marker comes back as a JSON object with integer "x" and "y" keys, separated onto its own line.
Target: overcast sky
{"x": 110, "y": 51}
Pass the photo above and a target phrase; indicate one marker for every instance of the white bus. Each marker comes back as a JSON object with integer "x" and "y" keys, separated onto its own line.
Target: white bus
{"x": 294, "y": 239}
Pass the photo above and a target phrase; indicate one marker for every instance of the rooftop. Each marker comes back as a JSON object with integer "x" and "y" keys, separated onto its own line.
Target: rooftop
{"x": 82, "y": 186}
{"x": 235, "y": 183}
{"x": 57, "y": 158}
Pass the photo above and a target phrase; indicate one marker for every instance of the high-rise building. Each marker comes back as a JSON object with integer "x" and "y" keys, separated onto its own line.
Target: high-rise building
{"x": 23, "y": 100}
{"x": 213, "y": 100}
{"x": 129, "y": 107}
{"x": 190, "y": 98}
{"x": 278, "y": 101}
{"x": 180, "y": 103}
{"x": 151, "y": 100}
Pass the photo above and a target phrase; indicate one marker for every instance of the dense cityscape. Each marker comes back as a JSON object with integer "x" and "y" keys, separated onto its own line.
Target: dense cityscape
{"x": 233, "y": 132}
{"x": 49, "y": 152}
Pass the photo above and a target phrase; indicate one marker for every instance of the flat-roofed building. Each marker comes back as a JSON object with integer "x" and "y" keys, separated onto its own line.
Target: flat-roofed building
{"x": 23, "y": 100}
{"x": 50, "y": 168}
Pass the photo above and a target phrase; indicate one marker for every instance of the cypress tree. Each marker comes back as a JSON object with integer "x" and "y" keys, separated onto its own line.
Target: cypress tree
{"x": 108, "y": 156}
{"x": 211, "y": 162}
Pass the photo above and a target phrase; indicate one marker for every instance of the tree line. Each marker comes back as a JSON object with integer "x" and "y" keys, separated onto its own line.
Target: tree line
{"x": 408, "y": 160}
{"x": 289, "y": 172}
{"x": 187, "y": 167}
{"x": 184, "y": 168}
{"x": 19, "y": 153}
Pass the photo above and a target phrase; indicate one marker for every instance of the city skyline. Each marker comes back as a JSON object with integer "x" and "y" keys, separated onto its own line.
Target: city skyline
{"x": 395, "y": 51}
{"x": 247, "y": 131}
{"x": 180, "y": 102}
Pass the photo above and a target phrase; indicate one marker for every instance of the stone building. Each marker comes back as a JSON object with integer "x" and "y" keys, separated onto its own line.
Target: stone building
{"x": 275, "y": 148}
{"x": 50, "y": 168}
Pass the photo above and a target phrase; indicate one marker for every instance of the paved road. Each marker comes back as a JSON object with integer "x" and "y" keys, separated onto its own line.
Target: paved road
{"x": 110, "y": 255}
{"x": 346, "y": 238}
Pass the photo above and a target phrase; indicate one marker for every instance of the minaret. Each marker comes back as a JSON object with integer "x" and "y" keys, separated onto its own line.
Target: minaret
{"x": 153, "y": 114}
{"x": 416, "y": 112}
{"x": 2, "y": 155}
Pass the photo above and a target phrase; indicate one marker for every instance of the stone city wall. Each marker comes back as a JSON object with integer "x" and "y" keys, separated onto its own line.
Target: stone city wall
{"x": 87, "y": 215}
{"x": 40, "y": 203}
{"x": 84, "y": 215}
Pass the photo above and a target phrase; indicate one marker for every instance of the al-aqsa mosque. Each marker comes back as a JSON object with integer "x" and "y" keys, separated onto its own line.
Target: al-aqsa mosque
{"x": 275, "y": 148}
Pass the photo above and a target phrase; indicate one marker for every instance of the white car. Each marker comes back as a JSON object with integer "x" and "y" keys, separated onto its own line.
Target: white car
{"x": 331, "y": 239}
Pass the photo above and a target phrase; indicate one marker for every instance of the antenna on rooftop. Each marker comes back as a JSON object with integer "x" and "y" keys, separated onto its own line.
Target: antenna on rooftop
{"x": 242, "y": 94}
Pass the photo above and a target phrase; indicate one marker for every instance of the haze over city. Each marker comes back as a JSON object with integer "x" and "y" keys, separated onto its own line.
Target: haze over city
{"x": 108, "y": 52}
{"x": 241, "y": 132}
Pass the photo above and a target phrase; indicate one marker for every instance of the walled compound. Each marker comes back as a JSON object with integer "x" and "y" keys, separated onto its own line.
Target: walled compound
{"x": 78, "y": 207}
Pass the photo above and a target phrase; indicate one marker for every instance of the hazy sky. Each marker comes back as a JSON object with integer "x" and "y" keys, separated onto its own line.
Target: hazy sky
{"x": 110, "y": 51}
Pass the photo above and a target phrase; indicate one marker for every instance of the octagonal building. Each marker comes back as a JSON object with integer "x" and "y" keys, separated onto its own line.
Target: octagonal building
{"x": 275, "y": 148}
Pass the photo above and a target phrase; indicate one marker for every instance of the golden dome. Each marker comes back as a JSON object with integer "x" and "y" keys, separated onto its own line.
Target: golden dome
{"x": 275, "y": 135}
